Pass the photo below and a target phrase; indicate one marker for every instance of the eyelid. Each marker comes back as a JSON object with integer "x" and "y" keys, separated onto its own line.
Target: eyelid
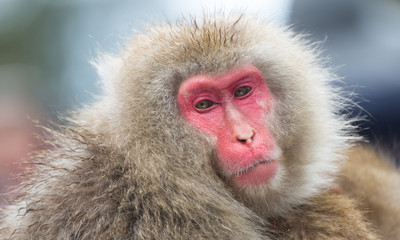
{"x": 197, "y": 99}
{"x": 246, "y": 81}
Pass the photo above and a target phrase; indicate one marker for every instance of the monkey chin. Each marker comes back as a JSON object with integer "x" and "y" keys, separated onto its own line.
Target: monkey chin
{"x": 259, "y": 174}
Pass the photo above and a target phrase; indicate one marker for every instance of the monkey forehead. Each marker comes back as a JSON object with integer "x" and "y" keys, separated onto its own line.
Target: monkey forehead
{"x": 207, "y": 45}
{"x": 199, "y": 82}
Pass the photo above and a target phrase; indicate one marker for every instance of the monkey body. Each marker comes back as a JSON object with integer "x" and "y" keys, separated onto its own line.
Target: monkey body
{"x": 84, "y": 206}
{"x": 371, "y": 178}
{"x": 134, "y": 166}
{"x": 329, "y": 216}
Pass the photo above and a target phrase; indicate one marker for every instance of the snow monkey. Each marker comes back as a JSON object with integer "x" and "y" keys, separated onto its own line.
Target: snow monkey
{"x": 224, "y": 127}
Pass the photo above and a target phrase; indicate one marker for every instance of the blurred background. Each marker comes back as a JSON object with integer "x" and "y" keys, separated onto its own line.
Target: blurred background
{"x": 46, "y": 46}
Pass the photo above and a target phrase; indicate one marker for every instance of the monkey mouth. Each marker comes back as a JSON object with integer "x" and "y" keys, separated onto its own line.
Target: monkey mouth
{"x": 259, "y": 173}
{"x": 250, "y": 168}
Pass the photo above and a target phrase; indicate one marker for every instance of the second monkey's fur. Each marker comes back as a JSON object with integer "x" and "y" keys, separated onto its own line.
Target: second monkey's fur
{"x": 130, "y": 167}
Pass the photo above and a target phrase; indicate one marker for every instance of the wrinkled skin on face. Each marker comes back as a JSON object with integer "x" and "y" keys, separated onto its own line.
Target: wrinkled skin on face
{"x": 231, "y": 109}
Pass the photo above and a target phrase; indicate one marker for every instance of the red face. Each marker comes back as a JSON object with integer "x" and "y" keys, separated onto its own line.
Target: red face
{"x": 232, "y": 109}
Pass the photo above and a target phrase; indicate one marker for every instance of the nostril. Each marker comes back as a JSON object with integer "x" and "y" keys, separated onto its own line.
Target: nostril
{"x": 246, "y": 139}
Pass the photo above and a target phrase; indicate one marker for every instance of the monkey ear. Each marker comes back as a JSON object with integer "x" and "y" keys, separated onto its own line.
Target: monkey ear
{"x": 107, "y": 66}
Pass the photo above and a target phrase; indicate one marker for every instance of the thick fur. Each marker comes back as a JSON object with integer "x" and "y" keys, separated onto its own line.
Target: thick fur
{"x": 373, "y": 180}
{"x": 130, "y": 167}
{"x": 329, "y": 216}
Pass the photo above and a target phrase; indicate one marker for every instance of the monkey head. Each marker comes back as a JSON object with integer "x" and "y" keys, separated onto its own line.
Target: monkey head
{"x": 234, "y": 100}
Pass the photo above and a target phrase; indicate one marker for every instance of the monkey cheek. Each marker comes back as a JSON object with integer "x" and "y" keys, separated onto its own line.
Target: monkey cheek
{"x": 259, "y": 175}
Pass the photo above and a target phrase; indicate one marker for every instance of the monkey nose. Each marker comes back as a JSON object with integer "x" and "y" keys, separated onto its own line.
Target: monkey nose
{"x": 246, "y": 138}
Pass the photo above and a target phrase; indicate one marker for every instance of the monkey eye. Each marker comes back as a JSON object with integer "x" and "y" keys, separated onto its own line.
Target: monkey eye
{"x": 242, "y": 91}
{"x": 204, "y": 104}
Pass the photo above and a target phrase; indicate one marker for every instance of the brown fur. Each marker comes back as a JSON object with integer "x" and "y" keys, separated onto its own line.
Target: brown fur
{"x": 375, "y": 183}
{"x": 329, "y": 216}
{"x": 130, "y": 167}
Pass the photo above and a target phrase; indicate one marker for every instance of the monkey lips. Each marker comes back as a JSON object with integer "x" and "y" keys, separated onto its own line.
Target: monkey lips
{"x": 250, "y": 171}
{"x": 260, "y": 173}
{"x": 231, "y": 109}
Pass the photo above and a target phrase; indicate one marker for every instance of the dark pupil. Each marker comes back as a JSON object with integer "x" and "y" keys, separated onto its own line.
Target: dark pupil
{"x": 204, "y": 104}
{"x": 240, "y": 92}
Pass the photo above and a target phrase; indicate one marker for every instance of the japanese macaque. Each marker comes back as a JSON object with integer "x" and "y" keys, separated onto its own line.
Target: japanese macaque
{"x": 220, "y": 128}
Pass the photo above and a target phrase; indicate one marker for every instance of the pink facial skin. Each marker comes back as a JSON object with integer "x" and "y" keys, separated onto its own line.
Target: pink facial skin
{"x": 246, "y": 150}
